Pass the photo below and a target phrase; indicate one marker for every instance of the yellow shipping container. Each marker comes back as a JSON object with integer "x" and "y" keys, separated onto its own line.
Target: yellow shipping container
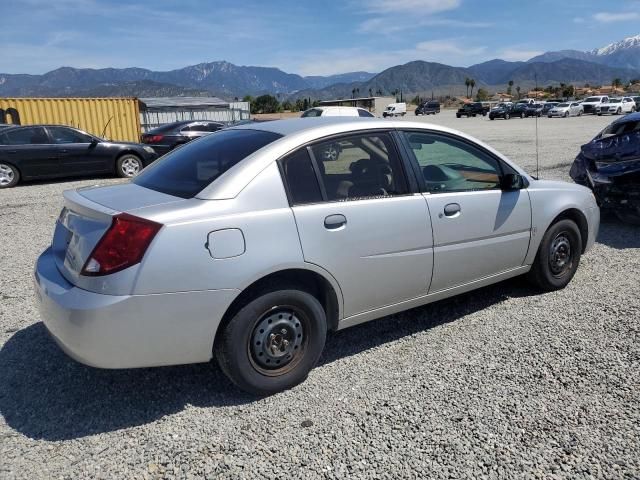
{"x": 118, "y": 118}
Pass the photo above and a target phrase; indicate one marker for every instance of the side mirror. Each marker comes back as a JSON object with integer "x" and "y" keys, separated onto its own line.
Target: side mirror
{"x": 512, "y": 181}
{"x": 93, "y": 143}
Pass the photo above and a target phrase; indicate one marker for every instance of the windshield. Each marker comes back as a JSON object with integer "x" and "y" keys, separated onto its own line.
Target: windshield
{"x": 561, "y": 105}
{"x": 618, "y": 128}
{"x": 615, "y": 100}
{"x": 187, "y": 170}
{"x": 592, "y": 99}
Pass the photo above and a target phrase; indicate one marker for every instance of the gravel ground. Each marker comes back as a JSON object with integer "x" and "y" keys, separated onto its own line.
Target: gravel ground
{"x": 499, "y": 383}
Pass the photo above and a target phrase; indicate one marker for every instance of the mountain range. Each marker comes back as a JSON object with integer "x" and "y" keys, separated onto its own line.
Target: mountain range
{"x": 599, "y": 66}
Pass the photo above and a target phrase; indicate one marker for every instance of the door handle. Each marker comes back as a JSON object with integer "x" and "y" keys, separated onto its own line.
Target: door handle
{"x": 64, "y": 151}
{"x": 334, "y": 222}
{"x": 12, "y": 151}
{"x": 452, "y": 209}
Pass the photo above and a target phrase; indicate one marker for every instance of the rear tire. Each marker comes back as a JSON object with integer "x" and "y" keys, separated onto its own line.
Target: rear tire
{"x": 507, "y": 116}
{"x": 128, "y": 165}
{"x": 558, "y": 256}
{"x": 273, "y": 342}
{"x": 9, "y": 175}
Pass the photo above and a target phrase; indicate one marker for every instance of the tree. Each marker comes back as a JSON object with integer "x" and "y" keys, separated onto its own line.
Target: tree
{"x": 509, "y": 87}
{"x": 518, "y": 90}
{"x": 370, "y": 93}
{"x": 265, "y": 104}
{"x": 467, "y": 82}
{"x": 416, "y": 100}
{"x": 616, "y": 83}
{"x": 482, "y": 95}
{"x": 299, "y": 105}
{"x": 288, "y": 106}
{"x": 248, "y": 98}
{"x": 472, "y": 84}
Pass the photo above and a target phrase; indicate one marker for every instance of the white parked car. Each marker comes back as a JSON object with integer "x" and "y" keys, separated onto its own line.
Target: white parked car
{"x": 566, "y": 109}
{"x": 336, "y": 112}
{"x": 395, "y": 110}
{"x": 617, "y": 106}
{"x": 591, "y": 104}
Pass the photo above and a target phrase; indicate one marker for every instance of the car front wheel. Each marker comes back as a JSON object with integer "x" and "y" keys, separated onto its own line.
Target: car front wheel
{"x": 558, "y": 256}
{"x": 128, "y": 166}
{"x": 9, "y": 175}
{"x": 272, "y": 342}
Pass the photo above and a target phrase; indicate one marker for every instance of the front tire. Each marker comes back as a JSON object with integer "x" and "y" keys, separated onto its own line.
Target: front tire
{"x": 507, "y": 116}
{"x": 128, "y": 166}
{"x": 273, "y": 342}
{"x": 9, "y": 175}
{"x": 558, "y": 256}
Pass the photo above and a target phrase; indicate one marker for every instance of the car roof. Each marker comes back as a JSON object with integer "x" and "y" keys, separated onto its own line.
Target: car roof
{"x": 299, "y": 131}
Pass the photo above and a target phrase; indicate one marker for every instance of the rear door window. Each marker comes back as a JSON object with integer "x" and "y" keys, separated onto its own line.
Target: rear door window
{"x": 26, "y": 136}
{"x": 360, "y": 166}
{"x": 186, "y": 171}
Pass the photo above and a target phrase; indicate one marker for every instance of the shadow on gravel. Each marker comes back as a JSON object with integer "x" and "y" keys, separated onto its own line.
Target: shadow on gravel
{"x": 617, "y": 234}
{"x": 46, "y": 395}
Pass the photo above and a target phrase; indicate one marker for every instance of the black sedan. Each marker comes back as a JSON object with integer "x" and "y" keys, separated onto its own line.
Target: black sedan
{"x": 533, "y": 110}
{"x": 167, "y": 137}
{"x": 508, "y": 111}
{"x": 49, "y": 151}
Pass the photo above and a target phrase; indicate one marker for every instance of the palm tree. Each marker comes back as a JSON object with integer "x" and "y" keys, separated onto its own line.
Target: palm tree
{"x": 472, "y": 83}
{"x": 510, "y": 85}
{"x": 370, "y": 93}
{"x": 518, "y": 90}
{"x": 467, "y": 82}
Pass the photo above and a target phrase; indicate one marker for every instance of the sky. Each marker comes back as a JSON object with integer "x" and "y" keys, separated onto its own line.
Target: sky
{"x": 298, "y": 36}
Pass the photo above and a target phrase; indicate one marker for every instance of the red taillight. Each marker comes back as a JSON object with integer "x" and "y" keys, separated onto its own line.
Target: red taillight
{"x": 152, "y": 138}
{"x": 122, "y": 246}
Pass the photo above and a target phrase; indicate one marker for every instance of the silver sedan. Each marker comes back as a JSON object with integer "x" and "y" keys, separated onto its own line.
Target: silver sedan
{"x": 250, "y": 244}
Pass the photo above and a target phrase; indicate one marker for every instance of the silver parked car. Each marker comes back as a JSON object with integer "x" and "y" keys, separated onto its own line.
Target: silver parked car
{"x": 566, "y": 109}
{"x": 249, "y": 246}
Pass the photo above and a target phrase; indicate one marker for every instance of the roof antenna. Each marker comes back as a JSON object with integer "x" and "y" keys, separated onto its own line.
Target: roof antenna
{"x": 537, "y": 154}
{"x": 105, "y": 127}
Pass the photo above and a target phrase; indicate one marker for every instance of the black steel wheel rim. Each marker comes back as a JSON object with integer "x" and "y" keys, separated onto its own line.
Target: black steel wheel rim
{"x": 560, "y": 255}
{"x": 278, "y": 340}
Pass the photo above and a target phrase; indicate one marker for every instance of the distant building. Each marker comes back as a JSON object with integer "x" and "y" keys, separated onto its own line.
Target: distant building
{"x": 160, "y": 110}
{"x": 375, "y": 105}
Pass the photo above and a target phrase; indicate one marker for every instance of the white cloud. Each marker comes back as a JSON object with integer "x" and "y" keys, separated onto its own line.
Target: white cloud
{"x": 387, "y": 25}
{"x": 609, "y": 17}
{"x": 448, "y": 49}
{"x": 517, "y": 54}
{"x": 420, "y": 7}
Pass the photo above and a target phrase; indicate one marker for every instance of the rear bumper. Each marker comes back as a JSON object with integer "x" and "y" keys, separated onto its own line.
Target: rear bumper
{"x": 593, "y": 220}
{"x": 128, "y": 331}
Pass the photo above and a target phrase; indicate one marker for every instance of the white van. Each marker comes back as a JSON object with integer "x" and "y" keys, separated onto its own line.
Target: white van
{"x": 336, "y": 112}
{"x": 395, "y": 109}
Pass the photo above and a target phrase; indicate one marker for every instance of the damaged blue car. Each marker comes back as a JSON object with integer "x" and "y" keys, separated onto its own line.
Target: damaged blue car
{"x": 610, "y": 165}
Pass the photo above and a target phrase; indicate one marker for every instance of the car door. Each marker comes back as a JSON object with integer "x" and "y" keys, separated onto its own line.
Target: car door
{"x": 29, "y": 149}
{"x": 478, "y": 229}
{"x": 358, "y": 220}
{"x": 78, "y": 153}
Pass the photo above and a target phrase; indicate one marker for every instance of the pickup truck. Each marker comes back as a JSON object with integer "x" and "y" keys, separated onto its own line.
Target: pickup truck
{"x": 472, "y": 109}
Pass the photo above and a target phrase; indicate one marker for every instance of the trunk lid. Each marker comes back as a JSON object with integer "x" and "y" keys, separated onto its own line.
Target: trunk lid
{"x": 86, "y": 216}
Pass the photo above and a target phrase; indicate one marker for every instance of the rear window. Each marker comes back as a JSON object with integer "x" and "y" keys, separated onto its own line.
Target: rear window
{"x": 186, "y": 171}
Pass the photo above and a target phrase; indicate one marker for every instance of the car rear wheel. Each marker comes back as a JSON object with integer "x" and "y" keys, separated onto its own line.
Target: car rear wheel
{"x": 507, "y": 116}
{"x": 558, "y": 256}
{"x": 618, "y": 111}
{"x": 9, "y": 175}
{"x": 522, "y": 115}
{"x": 273, "y": 341}
{"x": 566, "y": 114}
{"x": 128, "y": 166}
